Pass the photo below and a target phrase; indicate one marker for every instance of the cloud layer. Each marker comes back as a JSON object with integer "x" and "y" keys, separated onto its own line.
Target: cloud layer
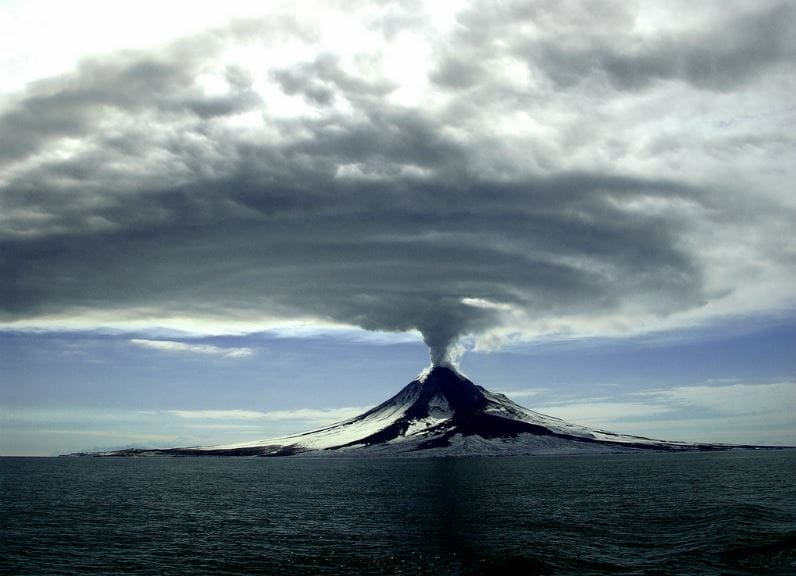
{"x": 209, "y": 349}
{"x": 501, "y": 172}
{"x": 732, "y": 412}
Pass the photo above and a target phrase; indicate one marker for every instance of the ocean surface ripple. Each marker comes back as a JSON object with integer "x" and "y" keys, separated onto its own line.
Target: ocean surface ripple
{"x": 704, "y": 513}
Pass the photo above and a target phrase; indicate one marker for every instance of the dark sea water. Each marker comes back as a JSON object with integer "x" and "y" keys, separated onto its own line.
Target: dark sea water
{"x": 707, "y": 513}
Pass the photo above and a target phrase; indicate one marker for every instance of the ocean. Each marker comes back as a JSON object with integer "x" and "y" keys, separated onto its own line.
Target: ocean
{"x": 686, "y": 513}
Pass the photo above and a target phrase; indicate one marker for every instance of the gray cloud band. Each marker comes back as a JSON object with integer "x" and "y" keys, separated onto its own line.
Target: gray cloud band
{"x": 381, "y": 218}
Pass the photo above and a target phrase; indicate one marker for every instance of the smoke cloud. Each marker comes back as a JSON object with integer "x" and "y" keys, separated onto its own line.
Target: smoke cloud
{"x": 441, "y": 333}
{"x": 543, "y": 184}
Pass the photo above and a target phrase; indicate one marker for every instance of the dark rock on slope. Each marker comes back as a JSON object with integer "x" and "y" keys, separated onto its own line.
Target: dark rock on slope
{"x": 441, "y": 413}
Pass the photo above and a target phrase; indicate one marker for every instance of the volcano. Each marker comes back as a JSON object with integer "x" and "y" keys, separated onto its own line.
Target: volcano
{"x": 441, "y": 413}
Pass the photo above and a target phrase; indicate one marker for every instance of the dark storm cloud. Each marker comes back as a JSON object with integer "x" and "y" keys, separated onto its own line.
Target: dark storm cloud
{"x": 72, "y": 105}
{"x": 134, "y": 83}
{"x": 376, "y": 216}
{"x": 727, "y": 53}
{"x": 572, "y": 43}
{"x": 281, "y": 233}
{"x": 322, "y": 78}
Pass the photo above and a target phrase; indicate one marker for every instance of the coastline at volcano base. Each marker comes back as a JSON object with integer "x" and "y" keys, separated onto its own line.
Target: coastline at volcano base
{"x": 441, "y": 413}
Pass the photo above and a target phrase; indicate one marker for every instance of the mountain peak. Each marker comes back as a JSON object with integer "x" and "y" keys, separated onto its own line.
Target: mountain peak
{"x": 444, "y": 383}
{"x": 442, "y": 412}
{"x": 439, "y": 371}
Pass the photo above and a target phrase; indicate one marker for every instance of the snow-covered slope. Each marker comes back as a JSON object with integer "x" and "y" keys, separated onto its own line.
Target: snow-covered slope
{"x": 441, "y": 413}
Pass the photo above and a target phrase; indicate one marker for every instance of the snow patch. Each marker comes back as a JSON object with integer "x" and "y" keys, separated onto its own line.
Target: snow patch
{"x": 401, "y": 427}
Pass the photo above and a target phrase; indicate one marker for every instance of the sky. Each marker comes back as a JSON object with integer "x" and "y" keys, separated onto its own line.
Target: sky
{"x": 228, "y": 221}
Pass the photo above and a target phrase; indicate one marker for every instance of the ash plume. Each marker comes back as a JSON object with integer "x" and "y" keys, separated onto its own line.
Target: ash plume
{"x": 483, "y": 206}
{"x": 442, "y": 340}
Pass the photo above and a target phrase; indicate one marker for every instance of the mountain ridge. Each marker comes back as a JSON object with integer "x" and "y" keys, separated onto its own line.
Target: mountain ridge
{"x": 440, "y": 413}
